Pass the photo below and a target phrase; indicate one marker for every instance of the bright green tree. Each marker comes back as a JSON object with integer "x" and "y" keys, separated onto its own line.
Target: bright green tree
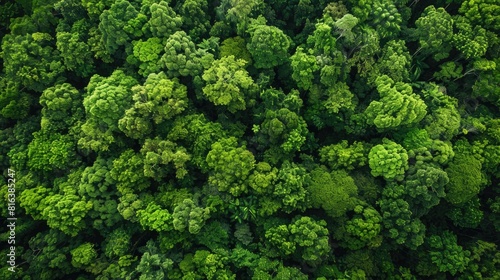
{"x": 229, "y": 84}
{"x": 230, "y": 165}
{"x": 183, "y": 58}
{"x": 334, "y": 192}
{"x": 164, "y": 21}
{"x": 187, "y": 215}
{"x": 398, "y": 105}
{"x": 389, "y": 160}
{"x": 268, "y": 46}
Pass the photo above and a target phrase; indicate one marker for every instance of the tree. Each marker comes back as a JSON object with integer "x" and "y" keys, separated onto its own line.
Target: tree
{"x": 105, "y": 103}
{"x": 96, "y": 186}
{"x": 50, "y": 152}
{"x": 60, "y": 102}
{"x": 153, "y": 264}
{"x": 120, "y": 24}
{"x": 399, "y": 224}
{"x": 182, "y": 58}
{"x": 235, "y": 46}
{"x": 389, "y": 160}
{"x": 344, "y": 26}
{"x": 334, "y": 192}
{"x": 206, "y": 265}
{"x": 394, "y": 61}
{"x": 83, "y": 255}
{"x": 483, "y": 13}
{"x": 398, "y": 105}
{"x": 466, "y": 215}
{"x": 158, "y": 153}
{"x": 153, "y": 217}
{"x": 268, "y": 46}
{"x": 70, "y": 43}
{"x": 444, "y": 120}
{"x": 31, "y": 60}
{"x": 445, "y": 253}
{"x": 230, "y": 166}
{"x": 303, "y": 65}
{"x": 290, "y": 187}
{"x": 466, "y": 178}
{"x": 363, "y": 229}
{"x": 15, "y": 103}
{"x": 284, "y": 128}
{"x": 305, "y": 234}
{"x": 146, "y": 55}
{"x": 164, "y": 21}
{"x": 195, "y": 18}
{"x": 435, "y": 32}
{"x": 187, "y": 215}
{"x": 66, "y": 212}
{"x": 228, "y": 84}
{"x": 159, "y": 99}
{"x": 425, "y": 186}
{"x": 471, "y": 41}
{"x": 128, "y": 173}
{"x": 385, "y": 17}
{"x": 198, "y": 133}
{"x": 343, "y": 155}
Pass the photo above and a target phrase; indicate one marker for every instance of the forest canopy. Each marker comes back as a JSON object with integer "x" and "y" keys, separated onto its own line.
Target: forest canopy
{"x": 250, "y": 139}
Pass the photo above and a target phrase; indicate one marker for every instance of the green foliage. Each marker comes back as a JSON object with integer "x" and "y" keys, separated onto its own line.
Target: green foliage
{"x": 159, "y": 99}
{"x": 466, "y": 215}
{"x": 284, "y": 128}
{"x": 435, "y": 31}
{"x": 466, "y": 178}
{"x": 153, "y": 264}
{"x": 363, "y": 229}
{"x": 393, "y": 62}
{"x": 105, "y": 103}
{"x": 120, "y": 24}
{"x": 128, "y": 173}
{"x": 290, "y": 187}
{"x": 306, "y": 235}
{"x": 389, "y": 160}
{"x": 69, "y": 44}
{"x": 334, "y": 192}
{"x": 483, "y": 13}
{"x": 399, "y": 224}
{"x": 146, "y": 55}
{"x": 159, "y": 153}
{"x": 303, "y": 65}
{"x": 51, "y": 152}
{"x": 164, "y": 21}
{"x": 268, "y": 46}
{"x": 398, "y": 105}
{"x": 14, "y": 102}
{"x": 471, "y": 41}
{"x": 83, "y": 255}
{"x": 446, "y": 254}
{"x": 385, "y": 17}
{"x": 230, "y": 166}
{"x": 31, "y": 60}
{"x": 196, "y": 139}
{"x": 189, "y": 216}
{"x": 195, "y": 17}
{"x": 58, "y": 103}
{"x": 343, "y": 155}
{"x": 228, "y": 84}
{"x": 236, "y": 47}
{"x": 182, "y": 58}
{"x": 153, "y": 217}
{"x": 425, "y": 186}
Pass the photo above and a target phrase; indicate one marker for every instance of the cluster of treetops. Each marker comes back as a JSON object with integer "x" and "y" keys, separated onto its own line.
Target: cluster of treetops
{"x": 252, "y": 139}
